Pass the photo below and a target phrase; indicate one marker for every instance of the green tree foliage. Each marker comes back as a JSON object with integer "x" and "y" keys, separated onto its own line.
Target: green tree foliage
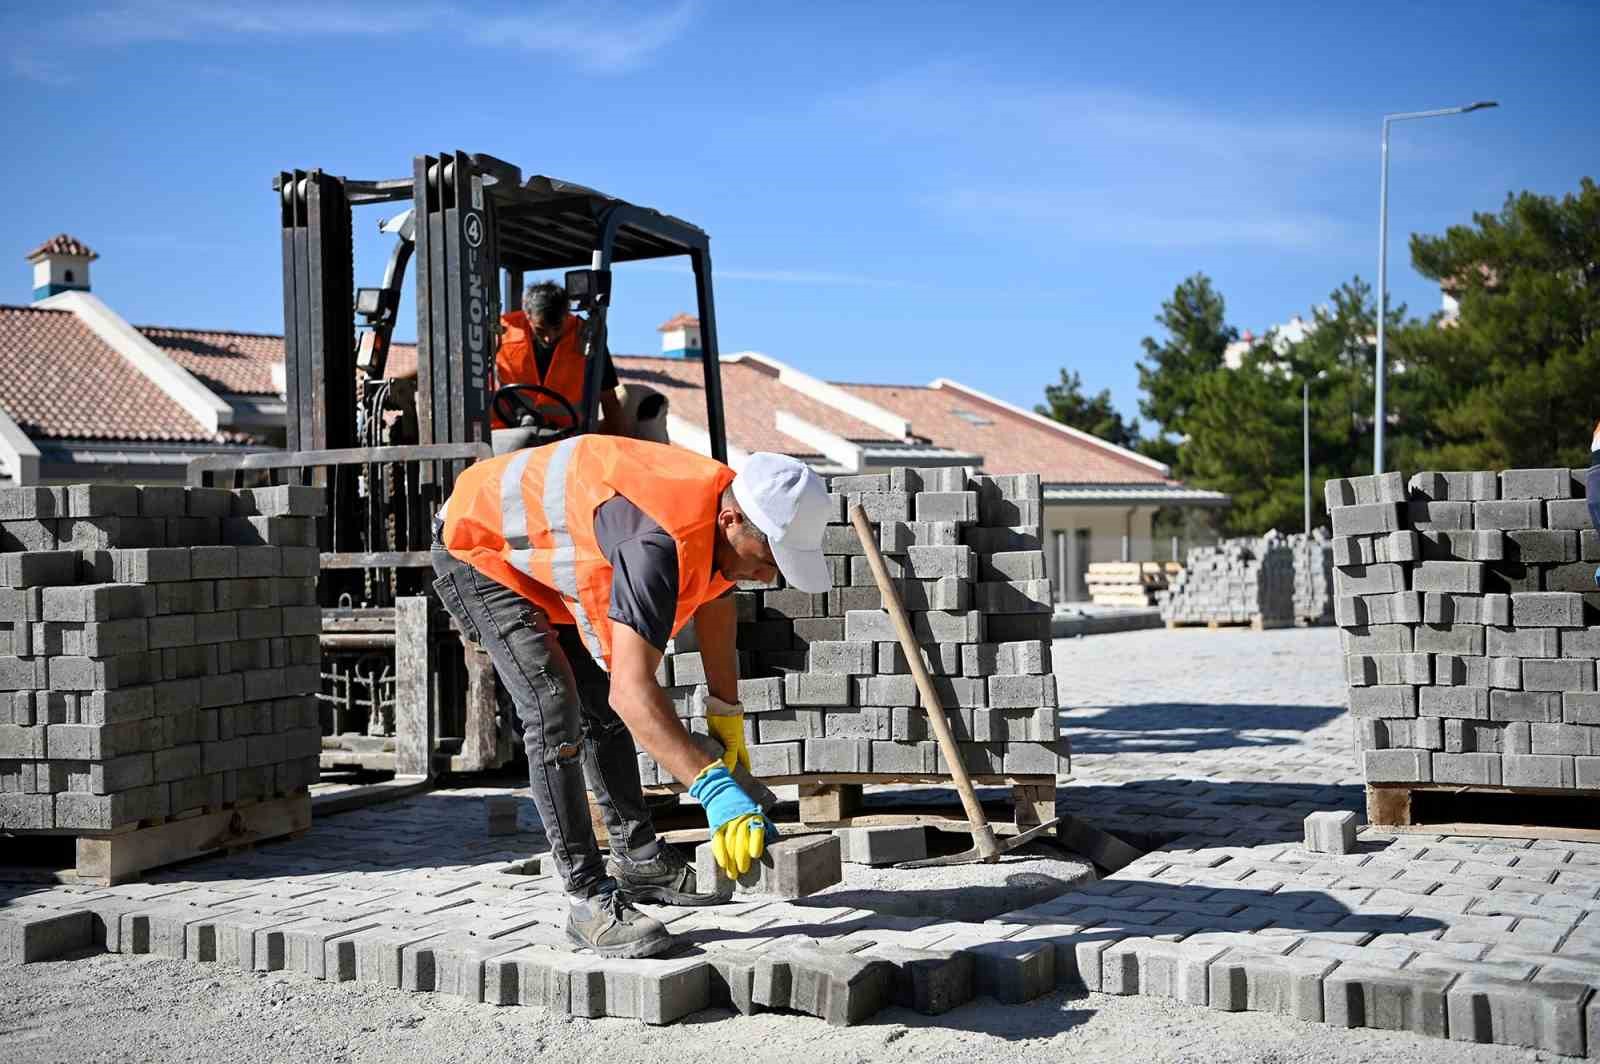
{"x": 1515, "y": 382}
{"x": 1197, "y": 333}
{"x": 1246, "y": 429}
{"x": 1066, "y": 403}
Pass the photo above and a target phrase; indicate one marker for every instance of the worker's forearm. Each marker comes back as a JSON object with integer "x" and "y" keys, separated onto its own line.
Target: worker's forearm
{"x": 716, "y": 626}
{"x": 647, "y": 711}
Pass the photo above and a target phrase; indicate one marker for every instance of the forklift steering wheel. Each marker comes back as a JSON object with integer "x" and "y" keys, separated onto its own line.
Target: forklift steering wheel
{"x": 513, "y": 402}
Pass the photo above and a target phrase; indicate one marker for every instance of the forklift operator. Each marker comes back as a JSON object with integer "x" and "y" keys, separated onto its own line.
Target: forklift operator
{"x": 585, "y": 556}
{"x": 543, "y": 344}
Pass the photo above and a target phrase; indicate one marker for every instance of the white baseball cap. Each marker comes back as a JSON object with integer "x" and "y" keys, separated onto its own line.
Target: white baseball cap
{"x": 787, "y": 501}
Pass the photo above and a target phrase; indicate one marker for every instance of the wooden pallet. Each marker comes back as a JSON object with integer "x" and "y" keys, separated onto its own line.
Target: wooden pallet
{"x": 834, "y": 799}
{"x": 1490, "y": 812}
{"x": 1255, "y": 624}
{"x": 106, "y": 858}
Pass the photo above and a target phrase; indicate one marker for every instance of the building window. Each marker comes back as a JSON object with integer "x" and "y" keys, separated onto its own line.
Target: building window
{"x": 68, "y": 276}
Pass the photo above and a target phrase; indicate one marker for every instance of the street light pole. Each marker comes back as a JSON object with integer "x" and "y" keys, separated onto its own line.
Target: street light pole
{"x": 1379, "y": 412}
{"x": 1305, "y": 414}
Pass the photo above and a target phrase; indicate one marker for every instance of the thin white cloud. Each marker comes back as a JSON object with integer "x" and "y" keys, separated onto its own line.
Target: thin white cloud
{"x": 595, "y": 38}
{"x": 1105, "y": 165}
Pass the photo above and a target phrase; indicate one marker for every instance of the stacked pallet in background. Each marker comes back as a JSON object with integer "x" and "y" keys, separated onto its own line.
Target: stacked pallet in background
{"x": 829, "y": 690}
{"x": 159, "y": 652}
{"x": 1471, "y": 625}
{"x": 1239, "y": 581}
{"x": 1313, "y": 577}
{"x": 1129, "y": 583}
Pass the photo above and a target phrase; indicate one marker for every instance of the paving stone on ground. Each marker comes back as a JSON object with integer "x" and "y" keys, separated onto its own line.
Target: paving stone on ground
{"x": 1215, "y": 757}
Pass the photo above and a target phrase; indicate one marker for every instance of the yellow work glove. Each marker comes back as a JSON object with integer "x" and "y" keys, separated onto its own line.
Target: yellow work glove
{"x": 725, "y": 722}
{"x": 739, "y": 843}
{"x": 739, "y": 829}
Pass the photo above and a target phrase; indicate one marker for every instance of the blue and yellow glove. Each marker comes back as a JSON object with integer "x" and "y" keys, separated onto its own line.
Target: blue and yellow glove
{"x": 725, "y": 721}
{"x": 739, "y": 830}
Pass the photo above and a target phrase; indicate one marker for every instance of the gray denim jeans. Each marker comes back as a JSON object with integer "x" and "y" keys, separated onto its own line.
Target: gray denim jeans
{"x": 569, "y": 729}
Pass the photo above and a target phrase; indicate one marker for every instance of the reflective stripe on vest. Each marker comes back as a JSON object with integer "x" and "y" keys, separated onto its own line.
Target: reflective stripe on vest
{"x": 564, "y": 558}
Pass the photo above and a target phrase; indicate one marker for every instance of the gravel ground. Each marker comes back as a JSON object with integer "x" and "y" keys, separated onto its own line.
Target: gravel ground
{"x": 112, "y": 1008}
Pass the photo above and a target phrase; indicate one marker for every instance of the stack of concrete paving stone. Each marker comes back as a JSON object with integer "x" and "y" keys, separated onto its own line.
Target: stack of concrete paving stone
{"x": 1238, "y": 581}
{"x": 1471, "y": 626}
{"x": 1313, "y": 577}
{"x": 159, "y": 651}
{"x": 830, "y": 690}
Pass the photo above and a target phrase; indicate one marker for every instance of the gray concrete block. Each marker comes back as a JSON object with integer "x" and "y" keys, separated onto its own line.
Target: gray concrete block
{"x": 1013, "y": 972}
{"x": 1536, "y": 484}
{"x": 1541, "y": 547}
{"x": 1012, "y": 565}
{"x": 882, "y": 845}
{"x": 1440, "y": 608}
{"x": 1560, "y": 739}
{"x": 1566, "y": 674}
{"x": 1538, "y": 770}
{"x": 956, "y": 506}
{"x": 1436, "y": 516}
{"x": 1580, "y": 707}
{"x": 777, "y": 759}
{"x": 40, "y": 568}
{"x": 1472, "y": 769}
{"x": 1542, "y": 707}
{"x": 1331, "y": 832}
{"x": 1357, "y": 995}
{"x": 790, "y": 868}
{"x": 1037, "y": 758}
{"x": 930, "y": 982}
{"x": 1022, "y": 692}
{"x": 1396, "y": 766}
{"x": 1464, "y": 577}
{"x": 1540, "y": 1015}
{"x": 1469, "y": 486}
{"x": 790, "y": 725}
{"x": 1352, "y": 491}
{"x": 905, "y": 757}
{"x": 839, "y": 988}
{"x": 1398, "y": 701}
{"x": 761, "y": 695}
{"x": 1575, "y": 576}
{"x": 1021, "y": 596}
{"x": 1369, "y": 579}
{"x": 1461, "y": 545}
{"x": 931, "y": 563}
{"x": 1465, "y": 639}
{"x": 898, "y": 690}
{"x": 1570, "y": 514}
{"x": 1241, "y": 982}
{"x": 838, "y": 755}
{"x": 1460, "y": 702}
{"x": 1558, "y": 609}
{"x": 1015, "y": 627}
{"x": 1523, "y": 642}
{"x": 29, "y": 934}
{"x": 867, "y": 722}
{"x": 1508, "y": 515}
{"x": 940, "y": 659}
{"x": 1378, "y": 639}
{"x": 816, "y": 689}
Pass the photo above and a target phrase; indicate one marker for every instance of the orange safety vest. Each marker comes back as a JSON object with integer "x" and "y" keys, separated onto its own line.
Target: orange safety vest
{"x": 515, "y": 363}
{"x": 526, "y": 520}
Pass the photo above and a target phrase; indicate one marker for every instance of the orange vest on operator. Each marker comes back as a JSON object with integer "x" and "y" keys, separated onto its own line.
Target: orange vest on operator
{"x": 515, "y": 362}
{"x": 526, "y": 520}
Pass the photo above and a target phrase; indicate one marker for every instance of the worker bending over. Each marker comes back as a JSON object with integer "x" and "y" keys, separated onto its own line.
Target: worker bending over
{"x": 589, "y": 554}
{"x": 543, "y": 344}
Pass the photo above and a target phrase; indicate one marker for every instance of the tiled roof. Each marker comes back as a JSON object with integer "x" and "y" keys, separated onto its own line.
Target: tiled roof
{"x": 751, "y": 398}
{"x": 58, "y": 380}
{"x": 1008, "y": 441}
{"x": 230, "y": 363}
{"x": 62, "y": 244}
{"x": 678, "y": 321}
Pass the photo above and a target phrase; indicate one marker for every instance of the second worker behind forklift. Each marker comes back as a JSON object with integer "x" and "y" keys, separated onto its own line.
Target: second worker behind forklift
{"x": 543, "y": 344}
{"x": 590, "y": 553}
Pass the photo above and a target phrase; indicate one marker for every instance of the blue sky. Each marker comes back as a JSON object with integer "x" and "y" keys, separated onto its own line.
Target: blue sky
{"x": 895, "y": 192}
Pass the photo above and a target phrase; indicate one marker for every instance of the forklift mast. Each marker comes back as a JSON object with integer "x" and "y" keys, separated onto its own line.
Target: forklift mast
{"x": 402, "y": 691}
{"x": 476, "y": 228}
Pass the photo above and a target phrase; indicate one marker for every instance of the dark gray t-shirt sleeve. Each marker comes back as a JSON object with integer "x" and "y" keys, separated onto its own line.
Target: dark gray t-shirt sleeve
{"x": 644, "y": 570}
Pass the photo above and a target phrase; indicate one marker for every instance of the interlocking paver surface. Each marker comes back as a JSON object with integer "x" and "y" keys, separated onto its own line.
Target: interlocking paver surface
{"x": 1211, "y": 747}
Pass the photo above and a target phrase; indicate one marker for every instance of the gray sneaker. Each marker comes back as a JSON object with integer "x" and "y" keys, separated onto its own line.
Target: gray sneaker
{"x": 665, "y": 879}
{"x": 610, "y": 927}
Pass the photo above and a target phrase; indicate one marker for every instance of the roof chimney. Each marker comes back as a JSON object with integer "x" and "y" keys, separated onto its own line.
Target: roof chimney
{"x": 680, "y": 336}
{"x": 60, "y": 264}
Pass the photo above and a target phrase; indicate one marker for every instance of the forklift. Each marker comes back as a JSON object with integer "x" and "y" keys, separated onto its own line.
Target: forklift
{"x": 402, "y": 692}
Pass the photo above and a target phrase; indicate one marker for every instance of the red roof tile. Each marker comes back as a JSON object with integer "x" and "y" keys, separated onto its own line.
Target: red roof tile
{"x": 1010, "y": 442}
{"x": 62, "y": 244}
{"x": 230, "y": 363}
{"x": 751, "y": 397}
{"x": 59, "y": 380}
{"x": 678, "y": 321}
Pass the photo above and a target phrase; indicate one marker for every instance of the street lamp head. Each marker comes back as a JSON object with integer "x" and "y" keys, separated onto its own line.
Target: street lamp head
{"x": 1481, "y": 105}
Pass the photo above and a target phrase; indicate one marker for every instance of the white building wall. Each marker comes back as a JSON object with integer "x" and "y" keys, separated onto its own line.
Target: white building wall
{"x": 1106, "y": 527}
